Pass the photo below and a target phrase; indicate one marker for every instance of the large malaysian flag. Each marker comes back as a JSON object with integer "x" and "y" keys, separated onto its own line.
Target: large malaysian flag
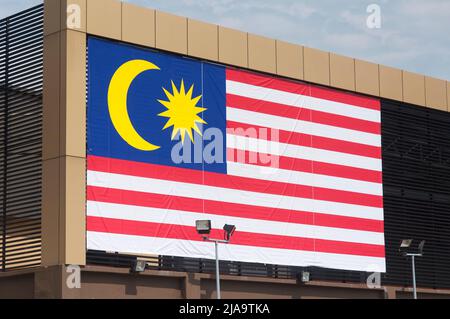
{"x": 295, "y": 167}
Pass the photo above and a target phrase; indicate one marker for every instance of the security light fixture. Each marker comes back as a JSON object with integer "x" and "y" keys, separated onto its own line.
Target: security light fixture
{"x": 407, "y": 248}
{"x": 406, "y": 243}
{"x": 229, "y": 230}
{"x": 304, "y": 276}
{"x": 203, "y": 227}
{"x": 138, "y": 266}
{"x": 420, "y": 248}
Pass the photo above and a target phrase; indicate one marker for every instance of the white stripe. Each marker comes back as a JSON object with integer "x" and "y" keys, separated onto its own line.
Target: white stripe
{"x": 304, "y": 127}
{"x": 302, "y": 101}
{"x": 193, "y": 249}
{"x": 302, "y": 152}
{"x": 157, "y": 186}
{"x": 301, "y": 178}
{"x": 251, "y": 225}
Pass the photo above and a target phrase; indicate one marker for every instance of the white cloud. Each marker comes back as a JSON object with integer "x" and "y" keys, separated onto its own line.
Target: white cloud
{"x": 421, "y": 9}
{"x": 342, "y": 41}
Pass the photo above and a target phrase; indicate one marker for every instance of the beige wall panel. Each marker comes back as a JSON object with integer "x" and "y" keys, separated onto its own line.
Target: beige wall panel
{"x": 138, "y": 25}
{"x": 203, "y": 40}
{"x": 52, "y": 18}
{"x": 391, "y": 86}
{"x": 367, "y": 78}
{"x": 50, "y": 212}
{"x": 233, "y": 47}
{"x": 413, "y": 88}
{"x": 74, "y": 12}
{"x": 342, "y": 72}
{"x": 436, "y": 93}
{"x": 73, "y": 204}
{"x": 289, "y": 60}
{"x": 171, "y": 32}
{"x": 104, "y": 18}
{"x": 317, "y": 66}
{"x": 448, "y": 96}
{"x": 51, "y": 96}
{"x": 262, "y": 54}
{"x": 73, "y": 94}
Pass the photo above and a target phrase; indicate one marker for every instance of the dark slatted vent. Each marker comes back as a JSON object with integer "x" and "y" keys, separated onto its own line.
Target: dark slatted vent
{"x": 416, "y": 176}
{"x": 416, "y": 172}
{"x": 21, "y": 63}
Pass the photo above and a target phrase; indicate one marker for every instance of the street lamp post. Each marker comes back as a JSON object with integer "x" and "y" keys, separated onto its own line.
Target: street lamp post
{"x": 404, "y": 246}
{"x": 414, "y": 276}
{"x": 204, "y": 228}
{"x": 216, "y": 244}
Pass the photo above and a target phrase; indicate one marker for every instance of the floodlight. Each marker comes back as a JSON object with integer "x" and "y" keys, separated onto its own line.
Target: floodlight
{"x": 406, "y": 243}
{"x": 138, "y": 266}
{"x": 304, "y": 276}
{"x": 203, "y": 227}
{"x": 229, "y": 230}
{"x": 422, "y": 243}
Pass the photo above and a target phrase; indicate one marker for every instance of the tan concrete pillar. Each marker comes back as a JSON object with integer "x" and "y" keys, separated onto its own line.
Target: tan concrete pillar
{"x": 390, "y": 292}
{"x": 51, "y": 283}
{"x": 191, "y": 286}
{"x": 64, "y": 135}
{"x": 48, "y": 283}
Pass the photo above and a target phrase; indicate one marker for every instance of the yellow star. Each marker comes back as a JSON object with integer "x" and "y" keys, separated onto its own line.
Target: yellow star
{"x": 182, "y": 111}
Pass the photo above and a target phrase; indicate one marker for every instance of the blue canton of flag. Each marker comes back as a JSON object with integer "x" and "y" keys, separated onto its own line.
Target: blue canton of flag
{"x": 133, "y": 99}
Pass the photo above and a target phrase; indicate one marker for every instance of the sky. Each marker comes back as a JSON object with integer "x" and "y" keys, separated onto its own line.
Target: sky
{"x": 413, "y": 35}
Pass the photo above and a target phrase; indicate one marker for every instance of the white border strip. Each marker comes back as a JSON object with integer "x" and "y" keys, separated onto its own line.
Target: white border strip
{"x": 230, "y": 252}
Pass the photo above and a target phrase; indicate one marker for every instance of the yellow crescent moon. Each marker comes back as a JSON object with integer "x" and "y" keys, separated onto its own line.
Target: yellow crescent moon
{"x": 117, "y": 102}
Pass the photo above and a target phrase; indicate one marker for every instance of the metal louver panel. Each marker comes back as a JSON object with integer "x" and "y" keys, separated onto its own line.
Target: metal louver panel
{"x": 21, "y": 71}
{"x": 416, "y": 173}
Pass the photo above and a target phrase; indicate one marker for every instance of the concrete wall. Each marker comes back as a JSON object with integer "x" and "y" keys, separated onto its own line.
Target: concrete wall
{"x": 109, "y": 283}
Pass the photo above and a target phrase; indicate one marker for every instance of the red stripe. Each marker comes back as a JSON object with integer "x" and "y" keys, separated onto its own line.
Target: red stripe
{"x": 302, "y": 114}
{"x": 301, "y": 165}
{"x": 232, "y": 182}
{"x": 345, "y": 97}
{"x": 270, "y": 82}
{"x": 303, "y": 89}
{"x": 325, "y": 143}
{"x": 196, "y": 205}
{"x": 138, "y": 228}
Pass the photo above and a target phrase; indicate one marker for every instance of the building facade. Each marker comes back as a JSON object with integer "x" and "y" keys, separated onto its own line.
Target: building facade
{"x": 44, "y": 84}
